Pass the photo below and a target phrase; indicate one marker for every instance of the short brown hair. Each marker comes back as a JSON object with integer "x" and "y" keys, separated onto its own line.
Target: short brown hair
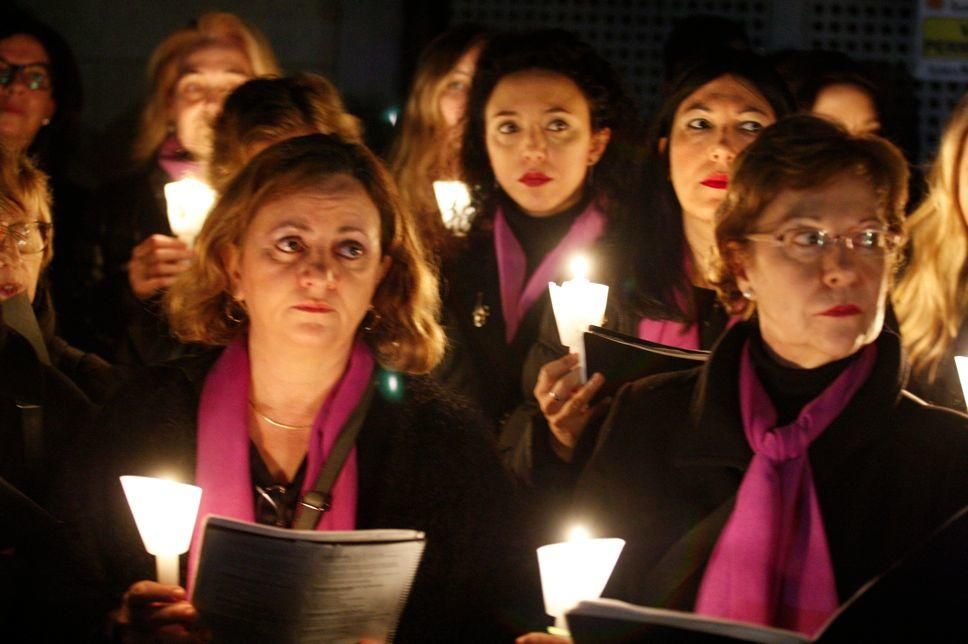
{"x": 270, "y": 109}
{"x": 164, "y": 68}
{"x": 406, "y": 337}
{"x": 24, "y": 192}
{"x": 797, "y": 153}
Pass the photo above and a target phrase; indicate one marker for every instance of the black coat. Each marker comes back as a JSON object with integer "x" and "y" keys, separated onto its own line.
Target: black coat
{"x": 424, "y": 463}
{"x": 672, "y": 452}
{"x": 128, "y": 210}
{"x": 35, "y": 400}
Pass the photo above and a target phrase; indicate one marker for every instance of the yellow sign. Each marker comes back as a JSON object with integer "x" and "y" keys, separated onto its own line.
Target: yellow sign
{"x": 944, "y": 37}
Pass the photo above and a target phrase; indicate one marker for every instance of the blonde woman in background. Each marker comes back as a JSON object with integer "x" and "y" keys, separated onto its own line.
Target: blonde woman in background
{"x": 428, "y": 148}
{"x": 931, "y": 298}
{"x": 189, "y": 75}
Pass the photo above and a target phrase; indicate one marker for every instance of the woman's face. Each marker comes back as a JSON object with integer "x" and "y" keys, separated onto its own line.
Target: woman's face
{"x": 208, "y": 76}
{"x": 814, "y": 312}
{"x": 540, "y": 141}
{"x": 26, "y": 102}
{"x": 309, "y": 265}
{"x": 710, "y": 128}
{"x": 19, "y": 271}
{"x": 849, "y": 105}
{"x": 456, "y": 84}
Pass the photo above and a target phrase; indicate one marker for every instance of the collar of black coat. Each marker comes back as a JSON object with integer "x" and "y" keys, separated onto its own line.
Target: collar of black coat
{"x": 21, "y": 373}
{"x": 712, "y": 435}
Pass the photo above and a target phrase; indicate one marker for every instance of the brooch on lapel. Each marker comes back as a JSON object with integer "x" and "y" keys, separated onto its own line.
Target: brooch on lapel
{"x": 480, "y": 312}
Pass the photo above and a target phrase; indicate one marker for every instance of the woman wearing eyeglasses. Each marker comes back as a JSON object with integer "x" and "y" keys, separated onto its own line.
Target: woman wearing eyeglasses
{"x": 190, "y": 73}
{"x": 771, "y": 484}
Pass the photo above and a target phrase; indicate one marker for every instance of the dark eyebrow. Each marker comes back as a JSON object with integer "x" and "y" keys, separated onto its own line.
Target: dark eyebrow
{"x": 705, "y": 108}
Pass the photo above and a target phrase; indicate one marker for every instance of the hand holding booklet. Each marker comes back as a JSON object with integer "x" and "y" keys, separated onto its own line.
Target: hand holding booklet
{"x": 258, "y": 583}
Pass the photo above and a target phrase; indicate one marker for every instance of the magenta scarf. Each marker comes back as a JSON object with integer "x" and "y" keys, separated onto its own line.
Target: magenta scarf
{"x": 670, "y": 333}
{"x": 223, "y": 470}
{"x": 516, "y": 296}
{"x": 771, "y": 564}
{"x": 176, "y": 160}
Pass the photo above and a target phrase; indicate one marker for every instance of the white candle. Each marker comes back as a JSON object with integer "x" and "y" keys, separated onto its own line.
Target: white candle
{"x": 575, "y": 570}
{"x": 454, "y": 201}
{"x": 961, "y": 364}
{"x": 189, "y": 201}
{"x": 164, "y": 512}
{"x": 578, "y": 303}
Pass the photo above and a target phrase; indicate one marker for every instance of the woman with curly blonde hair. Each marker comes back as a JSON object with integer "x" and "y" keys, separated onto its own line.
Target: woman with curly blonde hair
{"x": 931, "y": 298}
{"x": 310, "y": 275}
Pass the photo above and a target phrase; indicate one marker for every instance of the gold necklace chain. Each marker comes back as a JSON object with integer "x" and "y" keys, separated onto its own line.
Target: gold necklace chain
{"x": 276, "y": 423}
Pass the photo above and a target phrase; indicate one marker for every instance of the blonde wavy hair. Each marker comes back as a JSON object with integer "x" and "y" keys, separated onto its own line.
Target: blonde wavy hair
{"x": 266, "y": 110}
{"x": 406, "y": 336}
{"x": 931, "y": 298}
{"x": 427, "y": 149}
{"x": 24, "y": 192}
{"x": 165, "y": 68}
{"x": 799, "y": 152}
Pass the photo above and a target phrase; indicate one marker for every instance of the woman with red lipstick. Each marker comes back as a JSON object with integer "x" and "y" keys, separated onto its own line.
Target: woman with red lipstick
{"x": 189, "y": 73}
{"x": 313, "y": 287}
{"x": 548, "y": 150}
{"x": 658, "y": 264}
{"x": 772, "y": 483}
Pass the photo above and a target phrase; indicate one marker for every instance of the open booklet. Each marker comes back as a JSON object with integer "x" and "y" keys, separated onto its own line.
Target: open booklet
{"x": 259, "y": 583}
{"x": 623, "y": 358}
{"x": 921, "y": 598}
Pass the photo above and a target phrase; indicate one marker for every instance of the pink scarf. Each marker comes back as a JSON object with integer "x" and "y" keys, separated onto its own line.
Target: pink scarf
{"x": 516, "y": 296}
{"x": 223, "y": 470}
{"x": 670, "y": 333}
{"x": 176, "y": 161}
{"x": 771, "y": 564}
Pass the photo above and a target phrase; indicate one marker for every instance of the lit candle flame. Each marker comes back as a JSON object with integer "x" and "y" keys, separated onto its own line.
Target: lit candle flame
{"x": 579, "y": 533}
{"x": 580, "y": 267}
{"x": 961, "y": 364}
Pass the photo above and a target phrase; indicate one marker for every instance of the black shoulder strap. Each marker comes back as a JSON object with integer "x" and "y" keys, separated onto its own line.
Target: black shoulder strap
{"x": 317, "y": 501}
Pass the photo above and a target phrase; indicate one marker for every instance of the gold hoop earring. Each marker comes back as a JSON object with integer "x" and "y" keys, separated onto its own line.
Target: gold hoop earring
{"x": 235, "y": 311}
{"x": 371, "y": 320}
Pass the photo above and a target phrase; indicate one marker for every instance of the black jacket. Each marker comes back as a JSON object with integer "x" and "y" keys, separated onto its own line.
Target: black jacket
{"x": 424, "y": 463}
{"x": 672, "y": 452}
{"x": 128, "y": 210}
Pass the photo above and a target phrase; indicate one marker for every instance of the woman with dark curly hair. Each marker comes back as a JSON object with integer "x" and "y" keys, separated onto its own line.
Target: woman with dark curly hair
{"x": 659, "y": 264}
{"x": 548, "y": 148}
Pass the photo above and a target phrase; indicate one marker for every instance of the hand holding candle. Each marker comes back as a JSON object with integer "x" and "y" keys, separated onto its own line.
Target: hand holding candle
{"x": 164, "y": 512}
{"x": 189, "y": 201}
{"x": 454, "y": 201}
{"x": 578, "y": 304}
{"x": 575, "y": 570}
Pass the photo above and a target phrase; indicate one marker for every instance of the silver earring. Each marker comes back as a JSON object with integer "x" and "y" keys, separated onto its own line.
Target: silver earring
{"x": 748, "y": 293}
{"x": 45, "y": 122}
{"x": 371, "y": 320}
{"x": 235, "y": 310}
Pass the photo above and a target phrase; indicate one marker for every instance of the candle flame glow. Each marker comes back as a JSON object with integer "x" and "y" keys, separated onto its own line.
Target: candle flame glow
{"x": 579, "y": 533}
{"x": 961, "y": 364}
{"x": 580, "y": 267}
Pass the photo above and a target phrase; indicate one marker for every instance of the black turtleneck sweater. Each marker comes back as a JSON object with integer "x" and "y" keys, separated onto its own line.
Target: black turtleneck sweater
{"x": 538, "y": 236}
{"x": 791, "y": 388}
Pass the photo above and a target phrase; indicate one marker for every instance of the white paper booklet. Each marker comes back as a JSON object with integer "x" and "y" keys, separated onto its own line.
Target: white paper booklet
{"x": 258, "y": 583}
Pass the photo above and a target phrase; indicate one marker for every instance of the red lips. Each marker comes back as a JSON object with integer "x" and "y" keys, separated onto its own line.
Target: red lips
{"x": 10, "y": 289}
{"x": 841, "y": 311}
{"x": 717, "y": 180}
{"x": 534, "y": 179}
{"x": 314, "y": 307}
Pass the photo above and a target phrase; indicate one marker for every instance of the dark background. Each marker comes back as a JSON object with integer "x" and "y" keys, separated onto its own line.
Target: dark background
{"x": 369, "y": 47}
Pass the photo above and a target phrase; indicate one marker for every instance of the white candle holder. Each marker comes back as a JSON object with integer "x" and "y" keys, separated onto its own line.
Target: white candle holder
{"x": 164, "y": 512}
{"x": 578, "y": 304}
{"x": 189, "y": 202}
{"x": 961, "y": 364}
{"x": 573, "y": 571}
{"x": 454, "y": 201}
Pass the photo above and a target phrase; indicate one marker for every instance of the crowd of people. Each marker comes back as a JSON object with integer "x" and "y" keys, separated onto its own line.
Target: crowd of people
{"x": 761, "y": 215}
